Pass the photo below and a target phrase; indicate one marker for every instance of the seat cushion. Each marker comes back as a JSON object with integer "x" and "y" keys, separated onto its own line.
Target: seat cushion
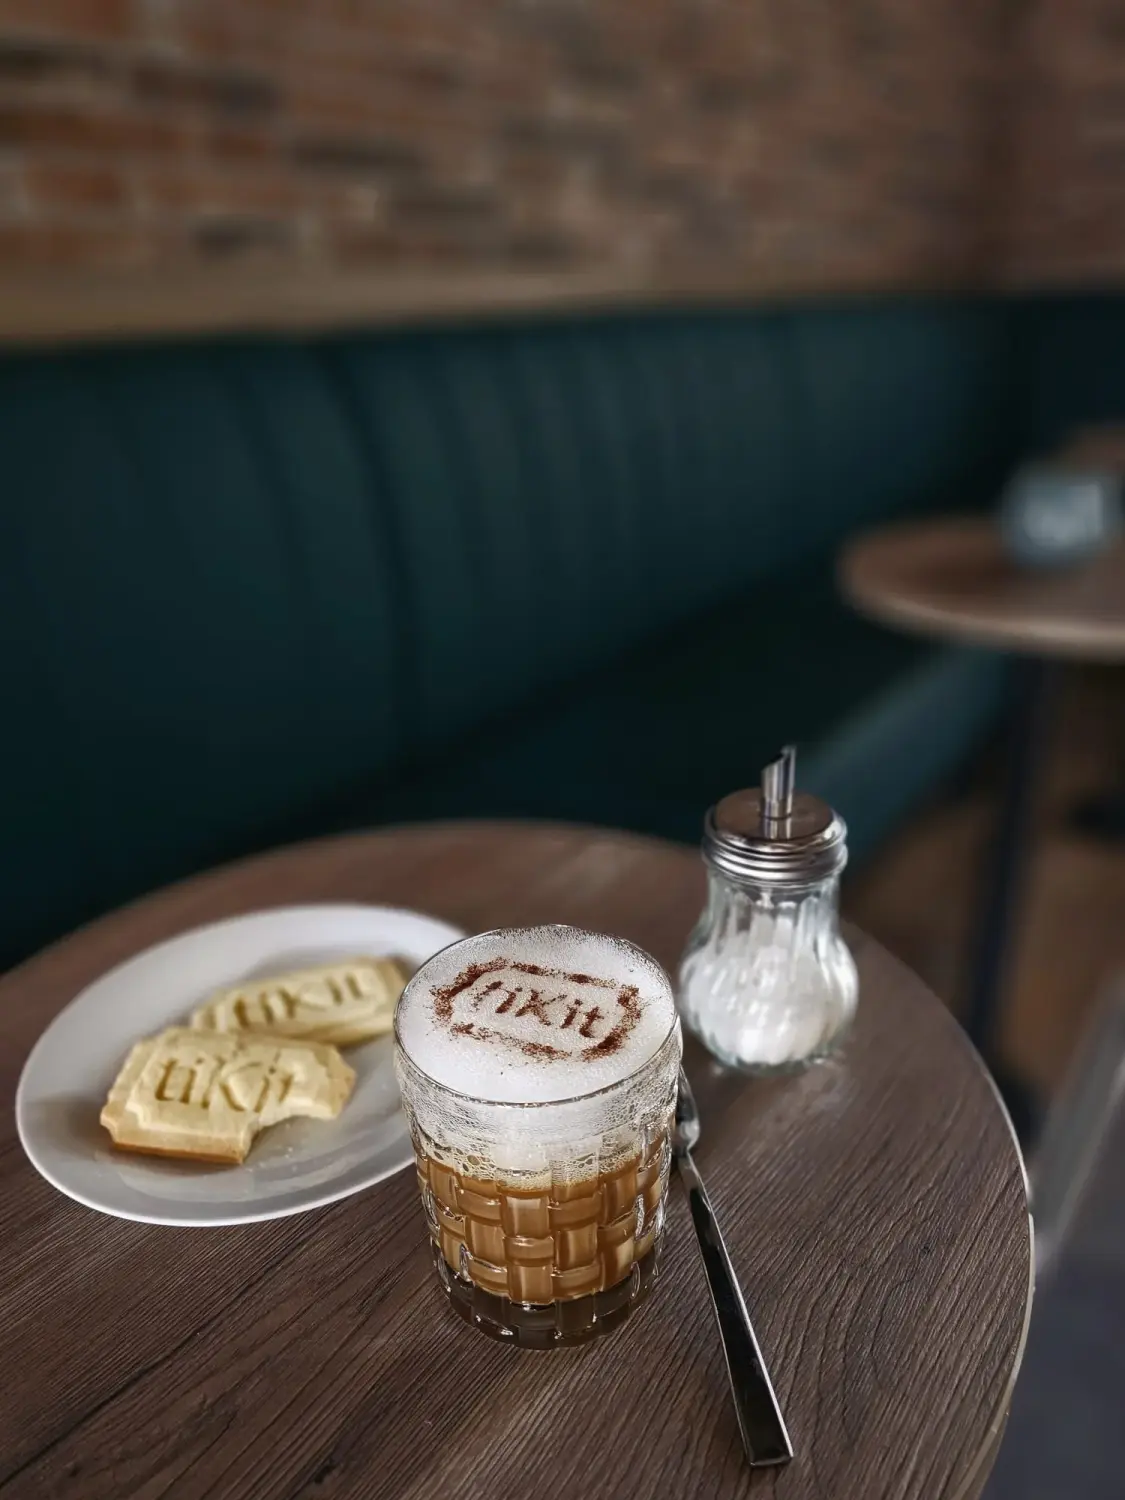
{"x": 562, "y": 492}
{"x": 651, "y": 741}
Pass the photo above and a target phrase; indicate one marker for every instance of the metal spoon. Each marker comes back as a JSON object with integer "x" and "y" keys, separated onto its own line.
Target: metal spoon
{"x": 759, "y": 1417}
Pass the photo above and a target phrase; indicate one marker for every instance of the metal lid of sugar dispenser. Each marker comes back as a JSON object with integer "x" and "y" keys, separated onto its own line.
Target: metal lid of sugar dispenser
{"x": 774, "y": 834}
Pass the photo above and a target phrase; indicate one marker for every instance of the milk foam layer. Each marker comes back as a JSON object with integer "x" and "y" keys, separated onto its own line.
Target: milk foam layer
{"x": 535, "y": 1015}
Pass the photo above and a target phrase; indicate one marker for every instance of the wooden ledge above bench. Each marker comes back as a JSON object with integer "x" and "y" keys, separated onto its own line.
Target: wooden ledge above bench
{"x": 53, "y": 306}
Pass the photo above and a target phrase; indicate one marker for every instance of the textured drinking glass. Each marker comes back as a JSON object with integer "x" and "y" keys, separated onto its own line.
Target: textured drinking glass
{"x": 546, "y": 1215}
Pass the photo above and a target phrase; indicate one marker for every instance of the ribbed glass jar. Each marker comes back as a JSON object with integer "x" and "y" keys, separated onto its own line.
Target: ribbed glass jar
{"x": 766, "y": 981}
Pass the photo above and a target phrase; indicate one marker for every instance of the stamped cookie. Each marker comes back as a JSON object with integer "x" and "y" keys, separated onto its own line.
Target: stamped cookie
{"x": 343, "y": 1003}
{"x": 207, "y": 1094}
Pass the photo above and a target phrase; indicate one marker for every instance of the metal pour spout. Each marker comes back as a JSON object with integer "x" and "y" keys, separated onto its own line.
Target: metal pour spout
{"x": 778, "y": 783}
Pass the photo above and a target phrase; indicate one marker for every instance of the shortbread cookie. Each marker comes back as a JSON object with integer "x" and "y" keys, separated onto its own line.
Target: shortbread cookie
{"x": 350, "y": 1001}
{"x": 206, "y": 1094}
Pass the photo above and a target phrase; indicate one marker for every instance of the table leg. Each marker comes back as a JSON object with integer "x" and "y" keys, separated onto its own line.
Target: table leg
{"x": 1032, "y": 689}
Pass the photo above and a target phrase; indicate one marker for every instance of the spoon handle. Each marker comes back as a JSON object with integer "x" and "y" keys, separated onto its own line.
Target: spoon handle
{"x": 759, "y": 1417}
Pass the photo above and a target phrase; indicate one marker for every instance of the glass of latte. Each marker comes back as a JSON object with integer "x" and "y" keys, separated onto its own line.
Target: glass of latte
{"x": 538, "y": 1070}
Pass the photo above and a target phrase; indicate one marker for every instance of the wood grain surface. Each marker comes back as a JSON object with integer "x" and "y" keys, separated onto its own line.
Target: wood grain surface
{"x": 952, "y": 579}
{"x": 875, "y": 1209}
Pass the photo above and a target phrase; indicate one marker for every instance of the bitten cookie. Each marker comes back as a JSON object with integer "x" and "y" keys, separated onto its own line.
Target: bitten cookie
{"x": 206, "y": 1094}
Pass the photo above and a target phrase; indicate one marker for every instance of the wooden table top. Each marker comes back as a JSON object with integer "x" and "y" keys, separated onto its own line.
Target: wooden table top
{"x": 874, "y": 1206}
{"x": 951, "y": 578}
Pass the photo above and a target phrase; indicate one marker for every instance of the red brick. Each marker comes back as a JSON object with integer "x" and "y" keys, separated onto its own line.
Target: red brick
{"x": 199, "y": 189}
{"x": 64, "y": 245}
{"x": 79, "y": 184}
{"x": 225, "y": 143}
{"x": 172, "y": 191}
{"x": 70, "y": 126}
{"x": 77, "y": 18}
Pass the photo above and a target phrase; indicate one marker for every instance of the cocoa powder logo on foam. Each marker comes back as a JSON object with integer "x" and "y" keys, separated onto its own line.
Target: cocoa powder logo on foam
{"x": 542, "y": 1013}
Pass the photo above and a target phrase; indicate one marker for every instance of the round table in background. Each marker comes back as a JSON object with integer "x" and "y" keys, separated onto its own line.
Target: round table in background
{"x": 875, "y": 1209}
{"x": 951, "y": 579}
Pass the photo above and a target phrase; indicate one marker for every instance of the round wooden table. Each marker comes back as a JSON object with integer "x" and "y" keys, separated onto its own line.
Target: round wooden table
{"x": 952, "y": 579}
{"x": 875, "y": 1209}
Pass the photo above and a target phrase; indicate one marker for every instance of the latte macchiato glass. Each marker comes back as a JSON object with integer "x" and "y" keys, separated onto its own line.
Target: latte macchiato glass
{"x": 538, "y": 1070}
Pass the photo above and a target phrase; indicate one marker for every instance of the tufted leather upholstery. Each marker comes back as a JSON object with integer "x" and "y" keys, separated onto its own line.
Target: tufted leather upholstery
{"x": 254, "y": 589}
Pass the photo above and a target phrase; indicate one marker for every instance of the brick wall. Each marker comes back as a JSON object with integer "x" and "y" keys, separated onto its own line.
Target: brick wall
{"x": 741, "y": 144}
{"x": 1064, "y": 209}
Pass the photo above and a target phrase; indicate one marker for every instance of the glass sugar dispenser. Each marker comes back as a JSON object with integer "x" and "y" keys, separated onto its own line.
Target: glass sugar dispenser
{"x": 766, "y": 981}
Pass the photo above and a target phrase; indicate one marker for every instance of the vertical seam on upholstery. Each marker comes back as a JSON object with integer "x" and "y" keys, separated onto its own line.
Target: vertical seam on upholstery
{"x": 384, "y": 528}
{"x": 796, "y": 399}
{"x": 618, "y": 432}
{"x": 533, "y": 459}
{"x": 267, "y": 467}
{"x": 479, "y": 561}
{"x": 92, "y": 393}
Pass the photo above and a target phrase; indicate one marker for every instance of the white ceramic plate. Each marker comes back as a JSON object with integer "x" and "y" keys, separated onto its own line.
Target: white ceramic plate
{"x": 297, "y": 1165}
